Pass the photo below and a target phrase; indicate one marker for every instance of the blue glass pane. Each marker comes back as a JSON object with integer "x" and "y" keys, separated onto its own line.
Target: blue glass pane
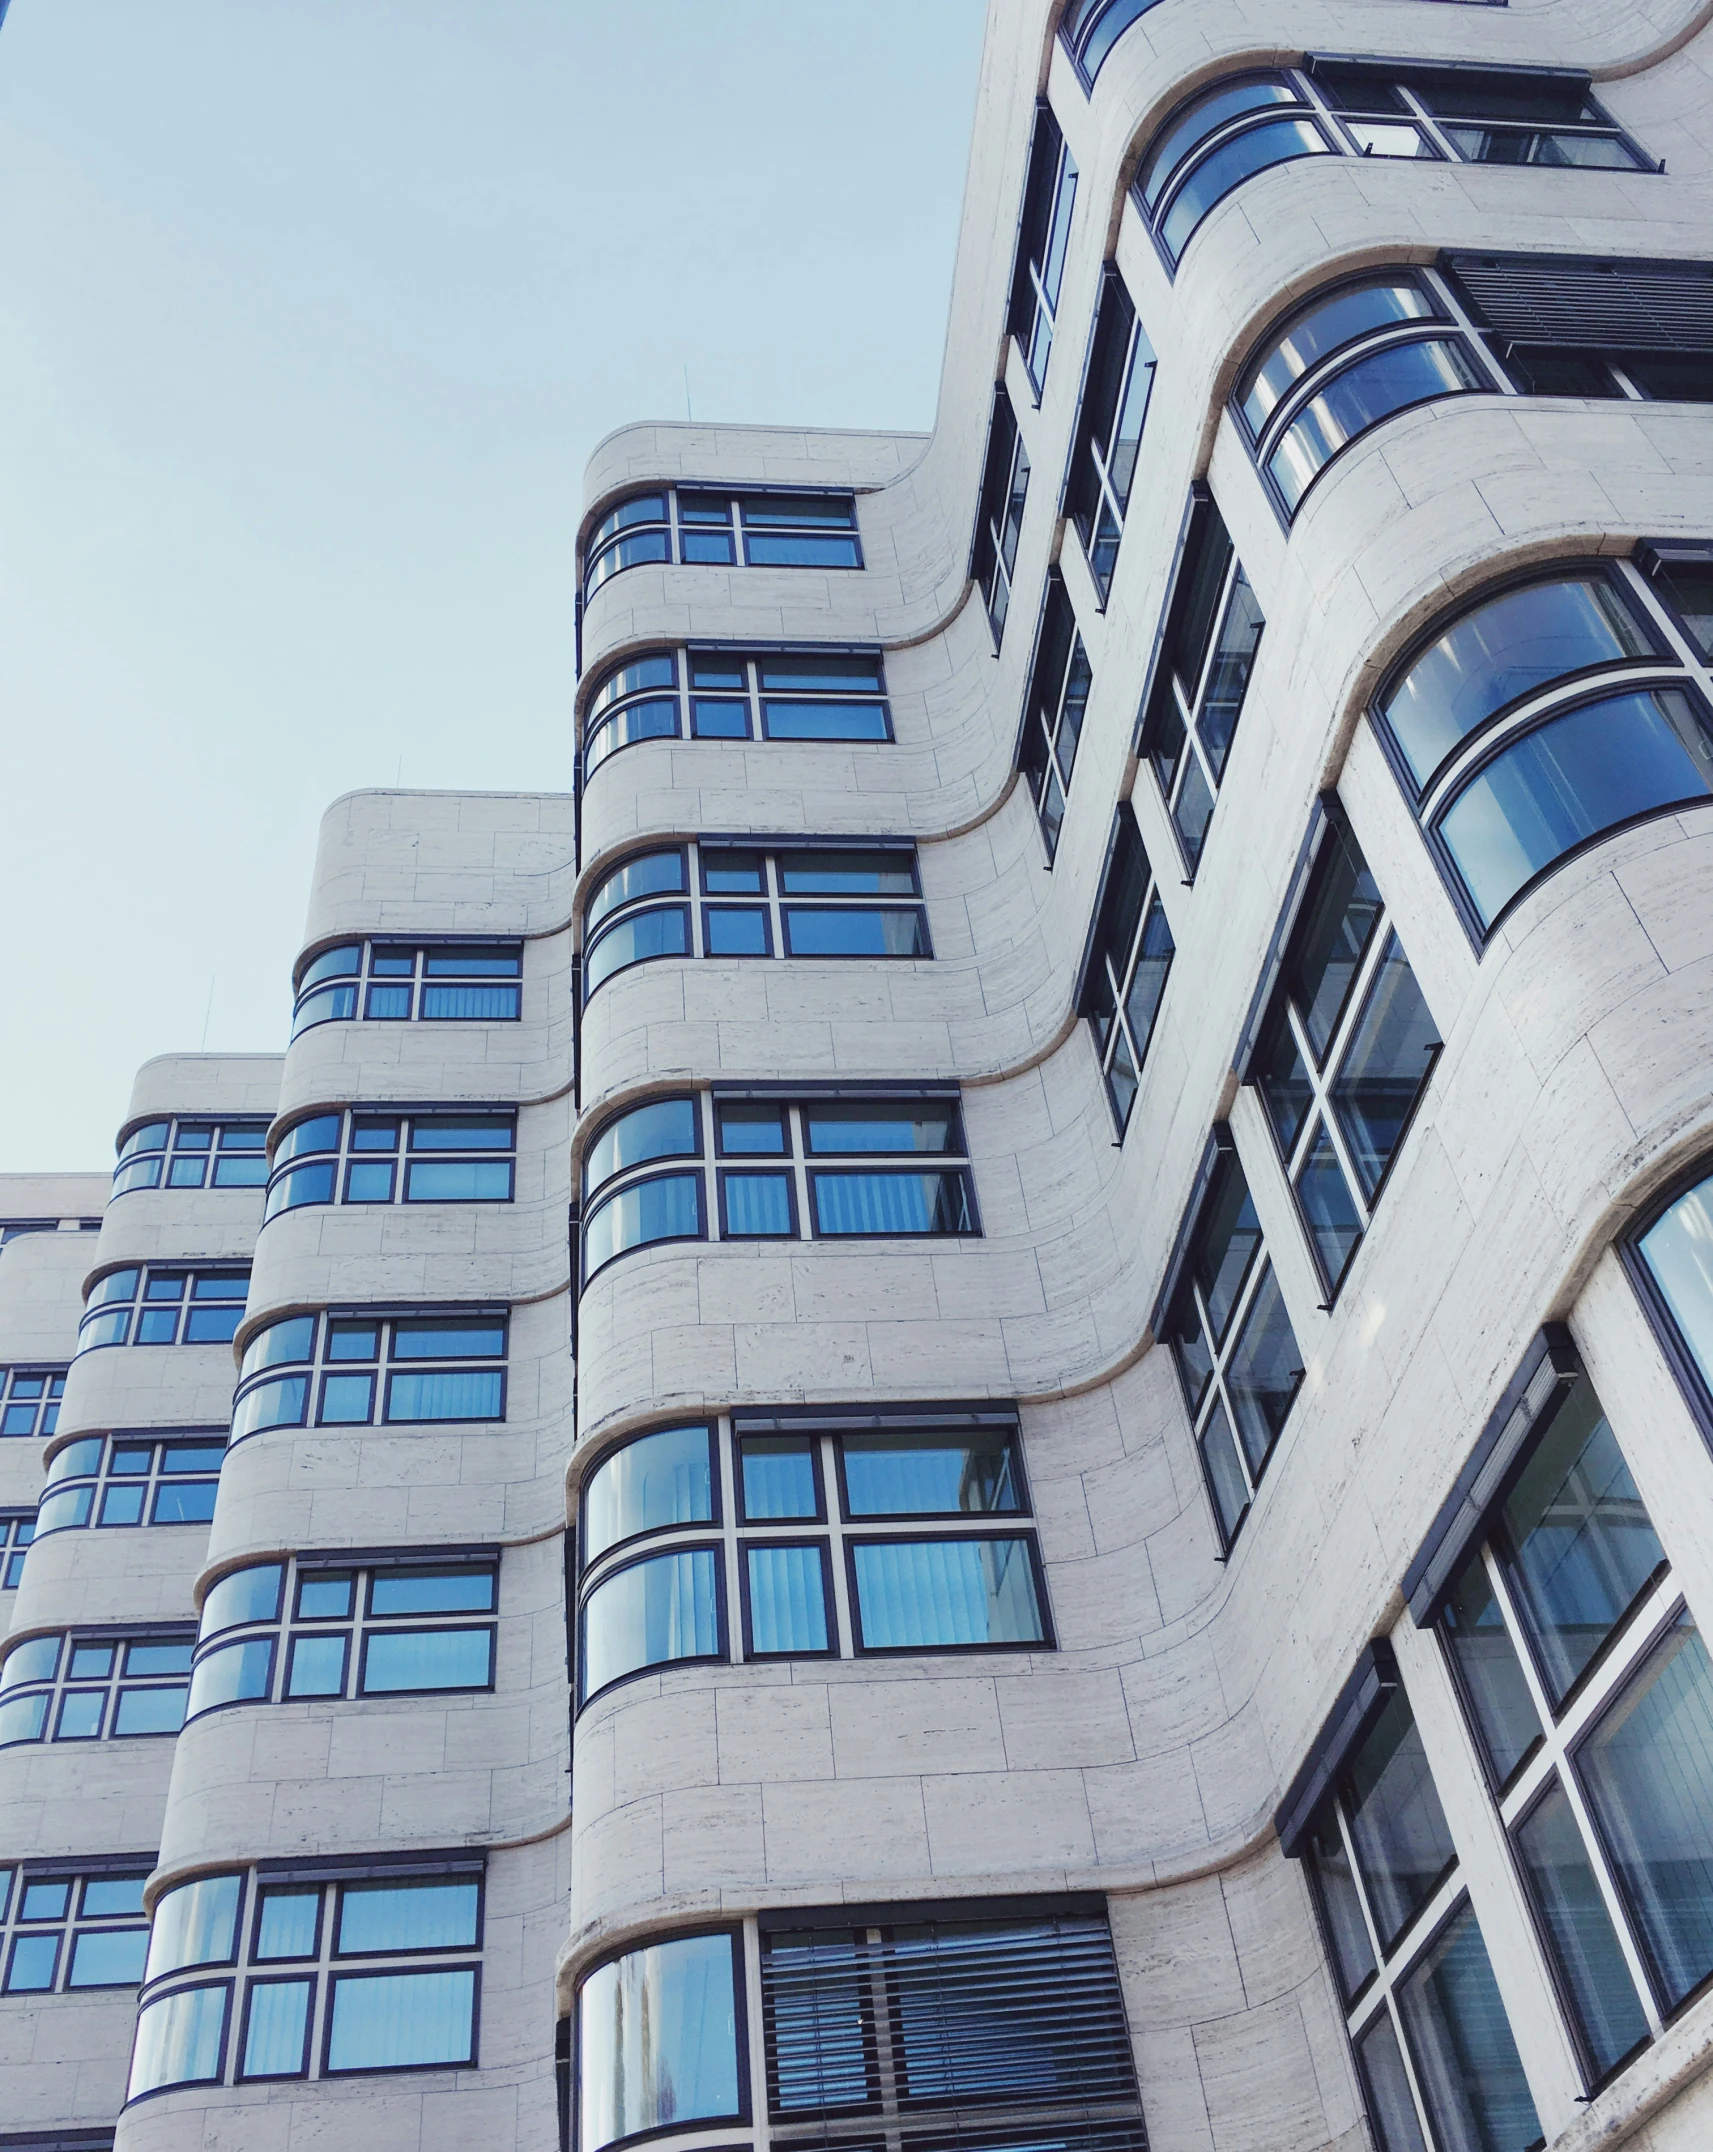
{"x": 1265, "y": 1370}
{"x": 1319, "y": 331}
{"x": 929, "y": 1474}
{"x": 654, "y": 720}
{"x": 777, "y": 549}
{"x": 665, "y": 1128}
{"x": 1565, "y": 782}
{"x": 246, "y": 1595}
{"x": 341, "y": 963}
{"x": 1679, "y": 1255}
{"x": 328, "y": 1005}
{"x": 234, "y": 1674}
{"x": 476, "y": 1004}
{"x": 31, "y": 1971}
{"x": 1501, "y": 651}
{"x": 664, "y": 931}
{"x": 653, "y": 1612}
{"x": 1369, "y": 390}
{"x": 1466, "y": 2059}
{"x": 194, "y": 1925}
{"x": 408, "y": 1916}
{"x": 388, "y": 1004}
{"x": 149, "y": 1711}
{"x": 185, "y": 1502}
{"x": 660, "y": 1479}
{"x": 70, "y": 1506}
{"x": 758, "y": 1205}
{"x": 393, "y": 2021}
{"x": 108, "y": 1958}
{"x": 1278, "y": 142}
{"x": 240, "y": 1172}
{"x": 915, "y": 1595}
{"x": 778, "y": 1477}
{"x": 1329, "y": 1212}
{"x": 271, "y": 1404}
{"x": 317, "y": 1666}
{"x": 735, "y": 930}
{"x": 22, "y": 1719}
{"x": 442, "y": 1591}
{"x": 823, "y": 720}
{"x": 669, "y": 1208}
{"x": 1578, "y": 1930}
{"x": 467, "y": 1394}
{"x": 346, "y": 1400}
{"x": 1098, "y": 28}
{"x": 427, "y": 1659}
{"x": 288, "y": 1922}
{"x": 278, "y": 2021}
{"x": 787, "y": 1599}
{"x": 34, "y": 1660}
{"x": 657, "y": 2040}
{"x": 178, "y": 2041}
{"x": 898, "y": 1203}
{"x": 1403, "y": 1845}
{"x": 474, "y": 1337}
{"x": 294, "y": 1339}
{"x": 1205, "y": 117}
{"x": 463, "y": 1180}
{"x": 122, "y": 1505}
{"x": 648, "y": 874}
{"x": 104, "y": 1896}
{"x": 850, "y": 931}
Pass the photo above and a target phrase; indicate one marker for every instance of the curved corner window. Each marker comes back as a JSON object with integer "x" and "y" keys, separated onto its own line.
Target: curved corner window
{"x": 635, "y": 532}
{"x": 404, "y": 982}
{"x": 358, "y": 1370}
{"x": 1340, "y": 365}
{"x": 367, "y": 1156}
{"x": 652, "y": 1483}
{"x": 1215, "y": 143}
{"x": 1090, "y": 29}
{"x": 1517, "y": 747}
{"x": 657, "y": 2040}
{"x": 193, "y": 1154}
{"x": 657, "y": 1611}
{"x": 664, "y": 1206}
{"x": 164, "y": 1306}
{"x": 636, "y": 701}
{"x": 95, "y": 1685}
{"x": 719, "y": 528}
{"x": 195, "y": 1925}
{"x": 131, "y": 1480}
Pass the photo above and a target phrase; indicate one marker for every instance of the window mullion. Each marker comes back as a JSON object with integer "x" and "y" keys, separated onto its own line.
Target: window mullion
{"x": 1520, "y": 1641}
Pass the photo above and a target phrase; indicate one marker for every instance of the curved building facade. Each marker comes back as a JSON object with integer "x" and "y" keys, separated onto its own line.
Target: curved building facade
{"x": 972, "y": 1409}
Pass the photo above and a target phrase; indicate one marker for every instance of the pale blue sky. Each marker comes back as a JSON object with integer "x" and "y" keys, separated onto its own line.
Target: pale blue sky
{"x": 310, "y": 313}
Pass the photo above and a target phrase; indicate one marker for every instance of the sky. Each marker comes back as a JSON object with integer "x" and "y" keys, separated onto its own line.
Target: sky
{"x": 311, "y": 312}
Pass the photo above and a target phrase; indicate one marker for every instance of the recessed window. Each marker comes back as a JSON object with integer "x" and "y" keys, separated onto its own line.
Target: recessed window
{"x": 306, "y": 1629}
{"x": 1043, "y": 239}
{"x": 193, "y": 1154}
{"x": 1344, "y": 1051}
{"x": 17, "y": 1529}
{"x": 111, "y": 1481}
{"x": 999, "y": 513}
{"x": 829, "y": 901}
{"x": 718, "y": 692}
{"x": 163, "y": 1304}
{"x": 1129, "y": 960}
{"x": 30, "y": 1400}
{"x": 64, "y": 1929}
{"x": 1543, "y": 716}
{"x": 1053, "y": 711}
{"x": 1201, "y": 675}
{"x": 404, "y": 982}
{"x": 371, "y": 1155}
{"x": 702, "y": 527}
{"x": 353, "y": 1369}
{"x": 322, "y": 1977}
{"x": 1569, "y": 325}
{"x": 1231, "y": 1337}
{"x": 773, "y": 1167}
{"x": 837, "y": 1536}
{"x": 1116, "y": 393}
{"x": 95, "y": 1685}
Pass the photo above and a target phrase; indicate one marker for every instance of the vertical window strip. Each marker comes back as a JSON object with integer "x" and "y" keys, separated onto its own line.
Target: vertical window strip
{"x": 1129, "y": 960}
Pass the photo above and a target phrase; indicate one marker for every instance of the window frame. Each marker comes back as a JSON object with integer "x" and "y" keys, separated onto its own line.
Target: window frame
{"x": 132, "y": 1152}
{"x": 594, "y": 548}
{"x": 415, "y": 984}
{"x": 745, "y": 2116}
{"x": 1049, "y": 180}
{"x": 150, "y": 1481}
{"x": 384, "y": 1318}
{"x": 46, "y": 1402}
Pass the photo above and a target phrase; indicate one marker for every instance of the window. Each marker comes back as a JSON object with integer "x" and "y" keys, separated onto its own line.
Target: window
{"x": 657, "y": 2039}
{"x": 763, "y": 1165}
{"x": 128, "y": 1479}
{"x": 404, "y": 982}
{"x": 1108, "y": 438}
{"x": 164, "y": 1304}
{"x": 1547, "y": 713}
{"x": 1366, "y": 108}
{"x": 793, "y": 692}
{"x": 1211, "y": 631}
{"x": 193, "y": 1154}
{"x": 1341, "y": 364}
{"x": 999, "y": 513}
{"x": 1670, "y": 1259}
{"x": 791, "y": 1535}
{"x": 1434, "y": 2049}
{"x": 30, "y": 1400}
{"x": 1090, "y": 29}
{"x": 16, "y": 1228}
{"x": 1049, "y": 195}
{"x": 815, "y": 902}
{"x": 1129, "y": 957}
{"x": 1214, "y": 143}
{"x": 1053, "y": 711}
{"x": 1237, "y": 1355}
{"x": 325, "y": 1973}
{"x": 1589, "y": 1693}
{"x": 402, "y": 1625}
{"x": 356, "y": 1369}
{"x": 367, "y": 1156}
{"x": 1561, "y": 325}
{"x": 721, "y": 529}
{"x": 902, "y": 2018}
{"x": 17, "y": 1529}
{"x": 65, "y": 1926}
{"x": 95, "y": 1684}
{"x": 1345, "y": 1047}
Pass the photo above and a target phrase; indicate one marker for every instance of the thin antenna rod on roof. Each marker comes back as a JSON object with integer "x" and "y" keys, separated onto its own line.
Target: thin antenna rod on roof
{"x": 688, "y": 413}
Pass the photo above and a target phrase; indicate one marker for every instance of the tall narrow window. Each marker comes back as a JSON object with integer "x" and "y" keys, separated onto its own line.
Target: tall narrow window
{"x": 1207, "y": 652}
{"x": 1130, "y": 955}
{"x": 1049, "y": 195}
{"x": 999, "y": 517}
{"x": 1109, "y": 429}
{"x": 1344, "y": 1051}
{"x": 1053, "y": 713}
{"x": 1231, "y": 1336}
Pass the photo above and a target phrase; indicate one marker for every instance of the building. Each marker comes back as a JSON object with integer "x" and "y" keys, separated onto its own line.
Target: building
{"x": 1129, "y": 1511}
